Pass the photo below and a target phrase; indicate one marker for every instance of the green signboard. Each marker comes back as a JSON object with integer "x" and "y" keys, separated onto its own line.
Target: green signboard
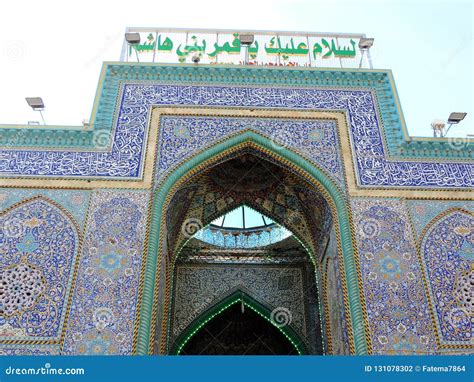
{"x": 223, "y": 47}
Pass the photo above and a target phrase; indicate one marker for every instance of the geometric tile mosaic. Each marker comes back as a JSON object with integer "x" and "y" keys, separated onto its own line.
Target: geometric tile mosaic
{"x": 397, "y": 308}
{"x": 416, "y": 271}
{"x": 105, "y": 298}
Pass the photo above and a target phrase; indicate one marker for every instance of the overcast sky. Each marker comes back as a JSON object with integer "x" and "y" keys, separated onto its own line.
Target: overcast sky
{"x": 55, "y": 49}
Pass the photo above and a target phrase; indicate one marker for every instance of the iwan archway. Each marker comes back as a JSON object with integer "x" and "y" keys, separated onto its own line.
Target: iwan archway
{"x": 165, "y": 241}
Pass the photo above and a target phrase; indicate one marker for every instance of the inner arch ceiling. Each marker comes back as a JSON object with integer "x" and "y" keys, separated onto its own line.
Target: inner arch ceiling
{"x": 248, "y": 178}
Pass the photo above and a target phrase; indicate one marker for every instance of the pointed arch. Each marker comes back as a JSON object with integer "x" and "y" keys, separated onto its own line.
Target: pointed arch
{"x": 234, "y": 297}
{"x": 155, "y": 275}
{"x": 39, "y": 221}
{"x": 441, "y": 243}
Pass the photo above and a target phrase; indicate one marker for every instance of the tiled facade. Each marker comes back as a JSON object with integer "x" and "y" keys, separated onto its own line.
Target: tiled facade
{"x": 82, "y": 222}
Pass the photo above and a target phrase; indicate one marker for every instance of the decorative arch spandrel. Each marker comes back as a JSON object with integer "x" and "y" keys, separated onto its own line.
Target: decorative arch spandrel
{"x": 447, "y": 255}
{"x": 39, "y": 243}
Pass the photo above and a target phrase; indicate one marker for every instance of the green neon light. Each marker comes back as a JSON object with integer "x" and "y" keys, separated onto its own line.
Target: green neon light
{"x": 235, "y": 299}
{"x": 201, "y": 325}
{"x": 278, "y": 327}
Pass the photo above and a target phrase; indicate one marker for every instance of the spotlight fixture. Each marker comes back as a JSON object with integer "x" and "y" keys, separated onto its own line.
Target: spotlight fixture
{"x": 37, "y": 104}
{"x": 365, "y": 43}
{"x": 132, "y": 38}
{"x": 246, "y": 39}
{"x": 456, "y": 117}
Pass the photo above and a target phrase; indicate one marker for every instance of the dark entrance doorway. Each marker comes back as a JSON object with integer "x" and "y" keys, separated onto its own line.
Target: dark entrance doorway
{"x": 238, "y": 331}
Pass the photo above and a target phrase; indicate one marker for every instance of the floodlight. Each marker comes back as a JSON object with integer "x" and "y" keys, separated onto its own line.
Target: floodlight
{"x": 132, "y": 38}
{"x": 246, "y": 39}
{"x": 366, "y": 43}
{"x": 456, "y": 117}
{"x": 36, "y": 103}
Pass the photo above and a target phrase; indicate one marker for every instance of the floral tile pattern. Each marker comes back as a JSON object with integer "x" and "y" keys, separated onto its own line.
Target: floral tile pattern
{"x": 448, "y": 253}
{"x": 416, "y": 257}
{"x": 397, "y": 307}
{"x": 74, "y": 201}
{"x": 181, "y": 137}
{"x": 105, "y": 298}
{"x": 200, "y": 287}
{"x": 9, "y": 350}
{"x": 423, "y": 212}
{"x": 38, "y": 246}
